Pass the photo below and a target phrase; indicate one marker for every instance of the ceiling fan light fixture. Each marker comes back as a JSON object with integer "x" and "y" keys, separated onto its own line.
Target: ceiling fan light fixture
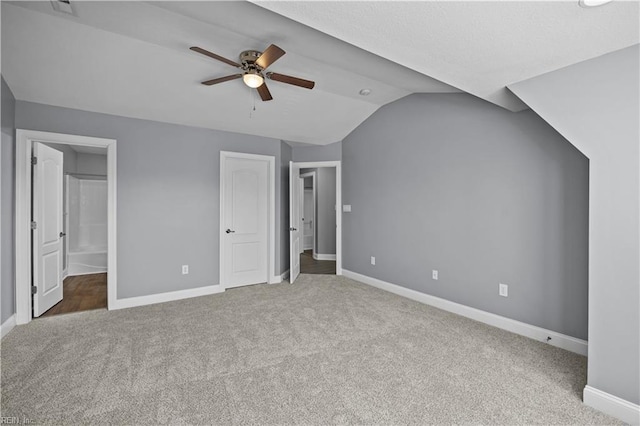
{"x": 253, "y": 80}
{"x": 593, "y": 3}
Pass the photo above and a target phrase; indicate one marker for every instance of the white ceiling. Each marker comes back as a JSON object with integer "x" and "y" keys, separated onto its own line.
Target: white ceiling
{"x": 477, "y": 46}
{"x": 132, "y": 58}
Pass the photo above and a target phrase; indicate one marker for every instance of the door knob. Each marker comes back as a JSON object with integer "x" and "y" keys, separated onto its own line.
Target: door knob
{"x": 229, "y": 231}
{"x": 292, "y": 229}
{"x": 62, "y": 234}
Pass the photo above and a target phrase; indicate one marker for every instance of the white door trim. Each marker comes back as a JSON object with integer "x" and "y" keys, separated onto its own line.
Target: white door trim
{"x": 271, "y": 211}
{"x": 338, "y": 166}
{"x": 313, "y": 189}
{"x": 301, "y": 213}
{"x": 24, "y": 143}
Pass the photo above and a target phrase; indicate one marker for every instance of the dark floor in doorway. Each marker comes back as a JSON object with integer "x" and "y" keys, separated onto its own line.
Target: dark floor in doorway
{"x": 308, "y": 265}
{"x": 81, "y": 293}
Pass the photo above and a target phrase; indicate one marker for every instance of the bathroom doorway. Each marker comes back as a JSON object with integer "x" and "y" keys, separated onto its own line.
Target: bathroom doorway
{"x": 83, "y": 239}
{"x": 44, "y": 255}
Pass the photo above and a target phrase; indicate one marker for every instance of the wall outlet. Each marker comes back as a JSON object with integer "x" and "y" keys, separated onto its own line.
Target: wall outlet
{"x": 434, "y": 274}
{"x": 185, "y": 269}
{"x": 373, "y": 260}
{"x": 503, "y": 290}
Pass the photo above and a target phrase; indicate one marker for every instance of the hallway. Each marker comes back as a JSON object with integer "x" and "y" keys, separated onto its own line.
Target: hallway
{"x": 308, "y": 265}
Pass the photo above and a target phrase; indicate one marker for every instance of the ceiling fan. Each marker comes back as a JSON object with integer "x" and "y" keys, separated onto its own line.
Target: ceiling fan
{"x": 253, "y": 64}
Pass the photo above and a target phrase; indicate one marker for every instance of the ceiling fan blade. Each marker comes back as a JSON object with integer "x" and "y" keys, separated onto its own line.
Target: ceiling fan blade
{"x": 221, "y": 79}
{"x": 269, "y": 56}
{"x": 214, "y": 56}
{"x": 307, "y": 84}
{"x": 264, "y": 92}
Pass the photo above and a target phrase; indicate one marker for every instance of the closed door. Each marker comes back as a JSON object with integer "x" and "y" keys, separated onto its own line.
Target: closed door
{"x": 245, "y": 221}
{"x": 47, "y": 235}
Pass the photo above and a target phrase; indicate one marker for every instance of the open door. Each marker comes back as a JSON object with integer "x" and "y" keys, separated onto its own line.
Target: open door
{"x": 301, "y": 215}
{"x": 294, "y": 221}
{"x": 47, "y": 221}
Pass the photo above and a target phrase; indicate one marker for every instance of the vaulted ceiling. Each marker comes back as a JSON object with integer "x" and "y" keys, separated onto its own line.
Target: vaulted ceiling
{"x": 133, "y": 58}
{"x": 479, "y": 47}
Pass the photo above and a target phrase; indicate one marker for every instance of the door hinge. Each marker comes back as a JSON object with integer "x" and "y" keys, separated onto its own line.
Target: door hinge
{"x": 34, "y": 289}
{"x": 34, "y": 161}
{"x": 34, "y": 224}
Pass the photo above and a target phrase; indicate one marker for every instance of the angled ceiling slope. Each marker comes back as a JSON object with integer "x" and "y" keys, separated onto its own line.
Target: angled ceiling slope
{"x": 132, "y": 59}
{"x": 479, "y": 47}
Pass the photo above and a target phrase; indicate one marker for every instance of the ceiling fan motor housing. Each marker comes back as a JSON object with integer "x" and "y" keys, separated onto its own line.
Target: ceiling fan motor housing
{"x": 248, "y": 59}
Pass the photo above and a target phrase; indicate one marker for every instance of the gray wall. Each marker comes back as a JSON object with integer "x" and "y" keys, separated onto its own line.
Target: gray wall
{"x": 483, "y": 195}
{"x": 285, "y": 157}
{"x": 7, "y": 200}
{"x": 80, "y": 162}
{"x": 168, "y": 193}
{"x": 93, "y": 164}
{"x": 326, "y": 211}
{"x": 595, "y": 105}
{"x": 331, "y": 152}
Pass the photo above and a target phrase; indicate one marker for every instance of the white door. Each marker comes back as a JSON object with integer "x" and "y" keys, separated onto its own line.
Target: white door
{"x": 294, "y": 221}
{"x": 307, "y": 230}
{"x": 245, "y": 227}
{"x": 47, "y": 237}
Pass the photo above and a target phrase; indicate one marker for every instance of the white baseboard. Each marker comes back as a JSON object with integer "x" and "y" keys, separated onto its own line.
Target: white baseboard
{"x": 7, "y": 326}
{"x": 276, "y": 280}
{"x": 280, "y": 278}
{"x": 609, "y": 404}
{"x": 131, "y": 302}
{"x": 79, "y": 274}
{"x": 320, "y": 256}
{"x": 537, "y": 333}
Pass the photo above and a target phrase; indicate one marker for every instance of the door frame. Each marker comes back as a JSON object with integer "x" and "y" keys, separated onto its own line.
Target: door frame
{"x": 301, "y": 211}
{"x": 312, "y": 175}
{"x": 24, "y": 187}
{"x": 271, "y": 213}
{"x": 338, "y": 166}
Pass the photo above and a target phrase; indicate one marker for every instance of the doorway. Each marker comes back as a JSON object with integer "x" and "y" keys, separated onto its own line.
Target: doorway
{"x": 315, "y": 218}
{"x": 42, "y": 246}
{"x": 82, "y": 239}
{"x": 318, "y": 221}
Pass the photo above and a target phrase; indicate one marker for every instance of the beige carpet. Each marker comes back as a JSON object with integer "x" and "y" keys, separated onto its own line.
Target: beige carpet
{"x": 324, "y": 350}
